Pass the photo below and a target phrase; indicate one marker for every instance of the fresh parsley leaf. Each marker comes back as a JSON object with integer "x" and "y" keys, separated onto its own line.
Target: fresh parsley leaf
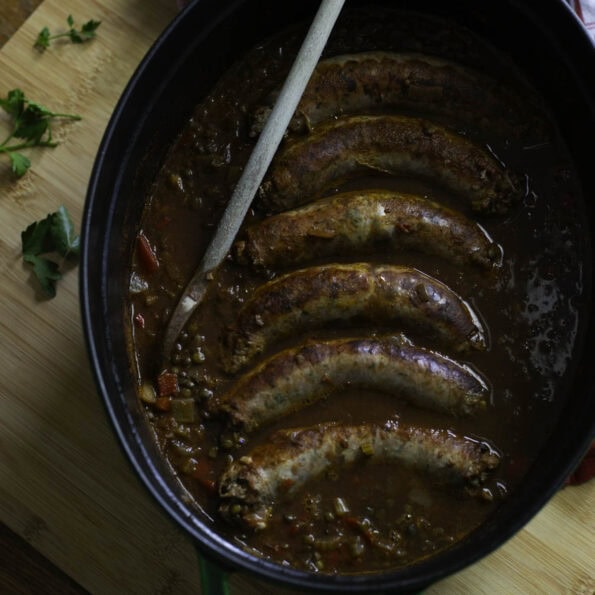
{"x": 65, "y": 241}
{"x": 36, "y": 238}
{"x": 89, "y": 28}
{"x": 53, "y": 235}
{"x": 37, "y": 110}
{"x": 32, "y": 125}
{"x": 43, "y": 40}
{"x": 46, "y": 271}
{"x": 85, "y": 33}
{"x": 75, "y": 36}
{"x": 14, "y": 104}
{"x": 19, "y": 163}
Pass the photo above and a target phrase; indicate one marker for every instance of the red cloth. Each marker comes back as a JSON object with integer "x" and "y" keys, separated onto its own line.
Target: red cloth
{"x": 585, "y": 470}
{"x": 585, "y": 9}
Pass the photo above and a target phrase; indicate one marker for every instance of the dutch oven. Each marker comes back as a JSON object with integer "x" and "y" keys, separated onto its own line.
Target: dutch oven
{"x": 555, "y": 53}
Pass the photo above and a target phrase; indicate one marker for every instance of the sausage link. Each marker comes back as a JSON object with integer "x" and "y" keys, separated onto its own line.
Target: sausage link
{"x": 359, "y": 221}
{"x": 250, "y": 486}
{"x": 385, "y": 294}
{"x": 368, "y": 81}
{"x": 299, "y": 376}
{"x": 347, "y": 147}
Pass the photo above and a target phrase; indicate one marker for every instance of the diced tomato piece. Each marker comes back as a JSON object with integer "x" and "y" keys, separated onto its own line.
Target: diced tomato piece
{"x": 146, "y": 255}
{"x": 202, "y": 472}
{"x": 167, "y": 384}
{"x": 163, "y": 403}
{"x": 586, "y": 469}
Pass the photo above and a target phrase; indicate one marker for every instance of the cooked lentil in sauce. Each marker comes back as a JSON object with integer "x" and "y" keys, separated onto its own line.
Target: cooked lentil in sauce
{"x": 375, "y": 513}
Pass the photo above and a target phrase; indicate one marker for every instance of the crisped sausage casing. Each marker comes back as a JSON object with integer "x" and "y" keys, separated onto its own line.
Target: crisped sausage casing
{"x": 367, "y": 81}
{"x": 362, "y": 220}
{"x": 250, "y": 486}
{"x": 381, "y": 294}
{"x": 299, "y": 376}
{"x": 350, "y": 146}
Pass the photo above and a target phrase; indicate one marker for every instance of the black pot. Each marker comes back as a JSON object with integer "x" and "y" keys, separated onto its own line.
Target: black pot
{"x": 550, "y": 47}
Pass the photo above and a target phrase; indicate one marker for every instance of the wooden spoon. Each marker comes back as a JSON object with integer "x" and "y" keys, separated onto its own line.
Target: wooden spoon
{"x": 255, "y": 169}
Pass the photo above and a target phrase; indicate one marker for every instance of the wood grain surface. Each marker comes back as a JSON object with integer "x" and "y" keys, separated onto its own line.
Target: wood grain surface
{"x": 65, "y": 486}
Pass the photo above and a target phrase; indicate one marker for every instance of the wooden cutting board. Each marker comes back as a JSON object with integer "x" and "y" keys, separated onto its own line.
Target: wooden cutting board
{"x": 64, "y": 483}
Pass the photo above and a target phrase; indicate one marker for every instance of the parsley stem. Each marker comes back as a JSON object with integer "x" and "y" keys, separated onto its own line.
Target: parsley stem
{"x": 27, "y": 145}
{"x": 57, "y": 35}
{"x": 67, "y": 116}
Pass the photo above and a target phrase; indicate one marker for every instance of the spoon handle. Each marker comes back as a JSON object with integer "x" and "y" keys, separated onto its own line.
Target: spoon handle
{"x": 257, "y": 165}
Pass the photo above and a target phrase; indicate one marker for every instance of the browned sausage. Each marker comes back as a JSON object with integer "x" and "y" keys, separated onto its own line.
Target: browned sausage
{"x": 309, "y": 298}
{"x": 250, "y": 486}
{"x": 347, "y": 147}
{"x": 368, "y": 81}
{"x": 359, "y": 221}
{"x": 299, "y": 376}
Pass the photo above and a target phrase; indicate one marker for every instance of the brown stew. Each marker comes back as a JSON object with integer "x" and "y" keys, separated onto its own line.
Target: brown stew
{"x": 361, "y": 517}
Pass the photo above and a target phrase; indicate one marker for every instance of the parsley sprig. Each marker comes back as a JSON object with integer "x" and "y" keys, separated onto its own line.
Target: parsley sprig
{"x": 31, "y": 126}
{"x": 85, "y": 33}
{"x": 53, "y": 235}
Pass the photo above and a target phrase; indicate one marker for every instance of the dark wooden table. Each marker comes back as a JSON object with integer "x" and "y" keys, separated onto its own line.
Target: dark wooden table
{"x": 12, "y": 15}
